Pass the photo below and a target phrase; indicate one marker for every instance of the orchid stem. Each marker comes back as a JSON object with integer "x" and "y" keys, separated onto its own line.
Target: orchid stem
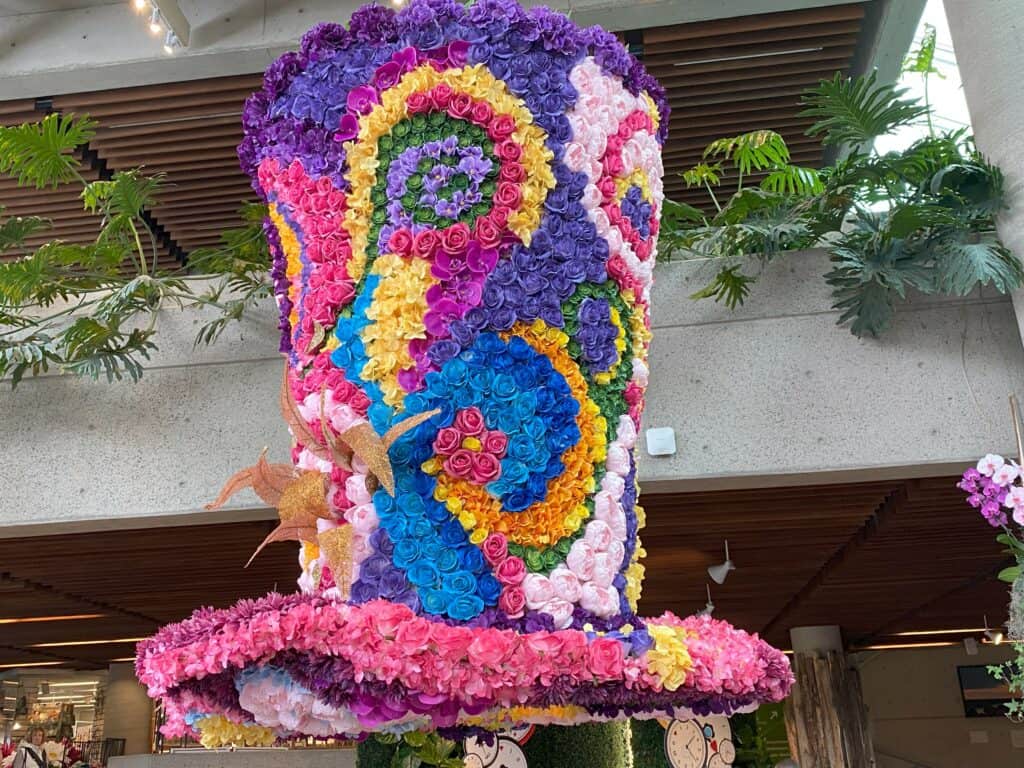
{"x": 1015, "y": 414}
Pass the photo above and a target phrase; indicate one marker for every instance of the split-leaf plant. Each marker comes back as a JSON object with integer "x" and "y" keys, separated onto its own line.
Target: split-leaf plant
{"x": 94, "y": 308}
{"x": 921, "y": 218}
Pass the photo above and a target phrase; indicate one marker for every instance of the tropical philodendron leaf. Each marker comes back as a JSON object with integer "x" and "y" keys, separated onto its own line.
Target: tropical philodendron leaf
{"x": 14, "y": 231}
{"x": 701, "y": 174}
{"x": 866, "y": 305}
{"x": 968, "y": 259}
{"x": 793, "y": 180}
{"x": 749, "y": 203}
{"x": 40, "y": 153}
{"x": 974, "y": 185}
{"x": 905, "y": 220}
{"x": 729, "y": 287}
{"x": 752, "y": 151}
{"x": 675, "y": 214}
{"x": 855, "y": 111}
{"x": 870, "y": 269}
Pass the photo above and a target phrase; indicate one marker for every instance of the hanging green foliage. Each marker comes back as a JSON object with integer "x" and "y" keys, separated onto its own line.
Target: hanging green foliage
{"x": 922, "y": 218}
{"x": 93, "y": 309}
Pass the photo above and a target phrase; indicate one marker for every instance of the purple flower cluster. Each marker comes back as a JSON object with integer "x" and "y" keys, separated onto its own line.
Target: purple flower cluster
{"x": 305, "y": 93}
{"x": 638, "y": 211}
{"x": 597, "y": 334}
{"x": 470, "y": 162}
{"x": 278, "y": 273}
{"x": 378, "y": 576}
{"x": 986, "y": 495}
{"x": 538, "y": 278}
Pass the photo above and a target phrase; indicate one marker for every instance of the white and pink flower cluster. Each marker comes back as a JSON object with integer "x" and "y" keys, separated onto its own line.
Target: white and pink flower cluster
{"x": 993, "y": 489}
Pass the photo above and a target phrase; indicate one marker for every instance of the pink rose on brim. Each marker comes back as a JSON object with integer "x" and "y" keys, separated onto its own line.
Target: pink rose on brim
{"x": 490, "y": 649}
{"x": 606, "y": 658}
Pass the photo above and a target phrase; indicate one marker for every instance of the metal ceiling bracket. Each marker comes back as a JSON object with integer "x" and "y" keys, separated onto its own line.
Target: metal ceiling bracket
{"x": 175, "y": 19}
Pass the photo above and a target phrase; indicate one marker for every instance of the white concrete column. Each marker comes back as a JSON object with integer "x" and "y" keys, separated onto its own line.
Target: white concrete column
{"x": 986, "y": 40}
{"x": 127, "y": 710}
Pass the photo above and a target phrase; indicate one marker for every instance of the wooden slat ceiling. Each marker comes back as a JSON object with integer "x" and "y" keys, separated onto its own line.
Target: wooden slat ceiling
{"x": 876, "y": 558}
{"x": 137, "y": 579}
{"x": 723, "y": 78}
{"x": 731, "y": 76}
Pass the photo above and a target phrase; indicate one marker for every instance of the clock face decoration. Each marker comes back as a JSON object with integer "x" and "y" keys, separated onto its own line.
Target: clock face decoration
{"x": 504, "y": 751}
{"x": 704, "y": 743}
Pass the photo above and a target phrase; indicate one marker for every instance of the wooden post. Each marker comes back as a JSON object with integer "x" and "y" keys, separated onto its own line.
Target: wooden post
{"x": 826, "y": 719}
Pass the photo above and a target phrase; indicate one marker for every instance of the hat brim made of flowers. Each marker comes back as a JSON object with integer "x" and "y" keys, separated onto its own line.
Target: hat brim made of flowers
{"x": 302, "y": 665}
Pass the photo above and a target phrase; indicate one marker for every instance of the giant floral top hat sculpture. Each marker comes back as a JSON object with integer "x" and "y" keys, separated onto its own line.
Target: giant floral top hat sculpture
{"x": 464, "y": 207}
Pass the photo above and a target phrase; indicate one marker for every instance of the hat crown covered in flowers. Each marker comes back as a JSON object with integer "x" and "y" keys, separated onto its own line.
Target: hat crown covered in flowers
{"x": 464, "y": 209}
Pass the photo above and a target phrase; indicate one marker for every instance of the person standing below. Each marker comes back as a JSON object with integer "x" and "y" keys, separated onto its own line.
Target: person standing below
{"x": 30, "y": 752}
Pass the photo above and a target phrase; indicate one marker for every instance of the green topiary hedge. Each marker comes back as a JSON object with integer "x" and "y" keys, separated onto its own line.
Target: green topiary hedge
{"x": 648, "y": 744}
{"x": 592, "y": 745}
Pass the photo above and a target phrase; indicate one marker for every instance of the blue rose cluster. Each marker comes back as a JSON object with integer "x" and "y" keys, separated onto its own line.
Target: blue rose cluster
{"x": 432, "y": 551}
{"x": 519, "y": 392}
{"x": 421, "y": 552}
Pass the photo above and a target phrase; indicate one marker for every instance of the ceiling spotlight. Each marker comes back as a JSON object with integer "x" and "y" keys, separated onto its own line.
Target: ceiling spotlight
{"x": 994, "y": 636}
{"x": 170, "y": 43}
{"x": 156, "y": 26}
{"x": 718, "y": 573}
{"x": 140, "y": 5}
{"x": 709, "y": 606}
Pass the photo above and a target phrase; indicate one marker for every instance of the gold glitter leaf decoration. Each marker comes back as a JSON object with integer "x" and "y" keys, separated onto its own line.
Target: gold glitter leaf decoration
{"x": 373, "y": 449}
{"x": 288, "y": 532}
{"x": 304, "y": 498}
{"x": 406, "y": 424}
{"x": 298, "y": 425}
{"x": 368, "y": 445}
{"x": 301, "y": 503}
{"x": 336, "y": 544}
{"x": 268, "y": 480}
